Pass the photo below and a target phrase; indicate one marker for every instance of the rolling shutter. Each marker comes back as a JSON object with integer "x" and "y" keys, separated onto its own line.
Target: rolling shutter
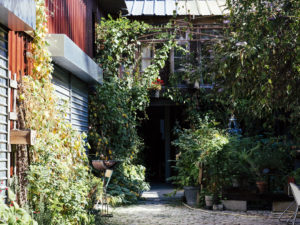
{"x": 62, "y": 88}
{"x": 4, "y": 103}
{"x": 75, "y": 91}
{"x": 79, "y": 106}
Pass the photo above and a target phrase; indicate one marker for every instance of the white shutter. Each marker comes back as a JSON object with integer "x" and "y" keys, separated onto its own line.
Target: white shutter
{"x": 75, "y": 91}
{"x": 79, "y": 104}
{"x": 4, "y": 104}
{"x": 61, "y": 82}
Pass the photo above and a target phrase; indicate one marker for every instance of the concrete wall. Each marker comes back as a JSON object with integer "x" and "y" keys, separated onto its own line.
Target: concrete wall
{"x": 18, "y": 15}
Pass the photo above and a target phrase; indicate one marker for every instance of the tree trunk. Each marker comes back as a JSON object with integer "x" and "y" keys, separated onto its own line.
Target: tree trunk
{"x": 22, "y": 157}
{"x": 22, "y": 166}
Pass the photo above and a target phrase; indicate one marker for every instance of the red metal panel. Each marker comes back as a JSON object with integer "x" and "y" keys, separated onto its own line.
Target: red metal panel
{"x": 18, "y": 44}
{"x": 71, "y": 17}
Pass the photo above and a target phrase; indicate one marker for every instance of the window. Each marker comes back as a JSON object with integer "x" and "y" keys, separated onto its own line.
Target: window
{"x": 147, "y": 53}
{"x": 178, "y": 57}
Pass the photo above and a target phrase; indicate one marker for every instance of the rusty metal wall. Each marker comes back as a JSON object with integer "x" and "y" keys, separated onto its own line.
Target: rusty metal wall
{"x": 18, "y": 44}
{"x": 73, "y": 18}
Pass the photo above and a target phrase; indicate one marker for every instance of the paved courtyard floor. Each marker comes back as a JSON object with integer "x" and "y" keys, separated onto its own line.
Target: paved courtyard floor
{"x": 156, "y": 209}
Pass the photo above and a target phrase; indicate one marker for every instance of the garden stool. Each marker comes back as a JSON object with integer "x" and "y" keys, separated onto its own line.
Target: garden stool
{"x": 104, "y": 204}
{"x": 296, "y": 202}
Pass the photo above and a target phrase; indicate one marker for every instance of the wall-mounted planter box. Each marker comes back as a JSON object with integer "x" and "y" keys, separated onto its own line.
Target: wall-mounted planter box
{"x": 22, "y": 137}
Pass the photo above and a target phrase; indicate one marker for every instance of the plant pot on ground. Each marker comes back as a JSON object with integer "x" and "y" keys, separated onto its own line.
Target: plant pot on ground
{"x": 208, "y": 200}
{"x": 191, "y": 193}
{"x": 264, "y": 156}
{"x": 262, "y": 186}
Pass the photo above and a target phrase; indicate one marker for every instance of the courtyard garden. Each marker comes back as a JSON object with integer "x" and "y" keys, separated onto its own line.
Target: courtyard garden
{"x": 239, "y": 139}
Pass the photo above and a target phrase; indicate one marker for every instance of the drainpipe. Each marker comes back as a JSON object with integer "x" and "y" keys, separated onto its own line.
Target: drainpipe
{"x": 167, "y": 143}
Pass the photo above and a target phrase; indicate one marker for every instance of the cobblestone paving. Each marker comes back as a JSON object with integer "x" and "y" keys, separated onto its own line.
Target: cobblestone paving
{"x": 166, "y": 211}
{"x": 163, "y": 214}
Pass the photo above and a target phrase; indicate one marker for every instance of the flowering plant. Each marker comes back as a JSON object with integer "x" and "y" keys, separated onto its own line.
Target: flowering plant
{"x": 12, "y": 213}
{"x": 156, "y": 85}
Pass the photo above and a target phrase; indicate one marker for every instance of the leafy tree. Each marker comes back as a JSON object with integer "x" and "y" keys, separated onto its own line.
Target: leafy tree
{"x": 258, "y": 64}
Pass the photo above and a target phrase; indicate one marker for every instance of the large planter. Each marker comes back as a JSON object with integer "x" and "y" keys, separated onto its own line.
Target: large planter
{"x": 191, "y": 193}
{"x": 262, "y": 186}
{"x": 208, "y": 200}
{"x": 156, "y": 93}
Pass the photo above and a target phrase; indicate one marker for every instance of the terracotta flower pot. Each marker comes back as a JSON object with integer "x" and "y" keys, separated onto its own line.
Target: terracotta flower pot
{"x": 103, "y": 164}
{"x": 262, "y": 186}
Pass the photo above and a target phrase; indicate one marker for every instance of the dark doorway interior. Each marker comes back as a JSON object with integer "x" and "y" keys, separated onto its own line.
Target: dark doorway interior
{"x": 157, "y": 135}
{"x": 152, "y": 131}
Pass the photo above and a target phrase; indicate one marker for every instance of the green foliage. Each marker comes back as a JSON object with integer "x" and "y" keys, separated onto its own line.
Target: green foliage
{"x": 201, "y": 147}
{"x": 129, "y": 183}
{"x": 113, "y": 122}
{"x": 12, "y": 214}
{"x": 115, "y": 105}
{"x": 258, "y": 64}
{"x": 224, "y": 158}
{"x": 58, "y": 179}
{"x": 263, "y": 156}
{"x": 59, "y": 175}
{"x": 117, "y": 43}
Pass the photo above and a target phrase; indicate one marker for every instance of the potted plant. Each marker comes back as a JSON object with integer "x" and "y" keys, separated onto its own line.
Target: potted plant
{"x": 200, "y": 152}
{"x": 156, "y": 86}
{"x": 187, "y": 177}
{"x": 263, "y": 156}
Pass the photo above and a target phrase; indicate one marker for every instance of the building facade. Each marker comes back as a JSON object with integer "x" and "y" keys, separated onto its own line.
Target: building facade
{"x": 71, "y": 25}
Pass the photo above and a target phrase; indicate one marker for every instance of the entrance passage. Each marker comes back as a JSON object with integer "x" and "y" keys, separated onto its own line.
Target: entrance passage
{"x": 157, "y": 135}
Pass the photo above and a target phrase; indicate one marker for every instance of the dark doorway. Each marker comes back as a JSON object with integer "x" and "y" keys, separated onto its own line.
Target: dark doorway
{"x": 152, "y": 131}
{"x": 159, "y": 155}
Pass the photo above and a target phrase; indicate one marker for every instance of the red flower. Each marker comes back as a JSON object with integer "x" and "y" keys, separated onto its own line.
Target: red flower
{"x": 158, "y": 82}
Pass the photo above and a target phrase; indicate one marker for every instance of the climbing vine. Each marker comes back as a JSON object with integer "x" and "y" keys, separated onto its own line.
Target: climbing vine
{"x": 117, "y": 106}
{"x": 58, "y": 177}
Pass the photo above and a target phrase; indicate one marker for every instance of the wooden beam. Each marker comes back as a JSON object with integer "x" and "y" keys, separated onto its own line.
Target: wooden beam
{"x": 22, "y": 137}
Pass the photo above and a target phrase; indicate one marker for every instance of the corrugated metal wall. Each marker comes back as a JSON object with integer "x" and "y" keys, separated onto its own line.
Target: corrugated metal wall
{"x": 75, "y": 19}
{"x": 73, "y": 90}
{"x": 19, "y": 44}
{"x": 79, "y": 105}
{"x": 70, "y": 17}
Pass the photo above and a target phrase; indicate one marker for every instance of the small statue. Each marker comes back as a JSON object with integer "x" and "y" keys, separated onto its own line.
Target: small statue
{"x": 233, "y": 127}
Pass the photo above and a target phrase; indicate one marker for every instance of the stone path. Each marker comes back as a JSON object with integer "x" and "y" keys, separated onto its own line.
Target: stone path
{"x": 157, "y": 209}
